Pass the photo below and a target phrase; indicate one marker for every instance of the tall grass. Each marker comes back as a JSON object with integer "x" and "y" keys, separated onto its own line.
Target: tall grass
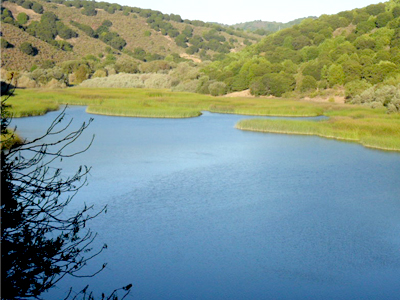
{"x": 371, "y": 132}
{"x": 145, "y": 102}
{"x": 370, "y": 127}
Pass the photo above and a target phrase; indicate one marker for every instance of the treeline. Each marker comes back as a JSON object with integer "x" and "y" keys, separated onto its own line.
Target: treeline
{"x": 89, "y": 8}
{"x": 103, "y": 33}
{"x": 47, "y": 29}
{"x": 72, "y": 72}
{"x": 265, "y": 28}
{"x": 172, "y": 72}
{"x": 356, "y": 49}
{"x": 212, "y": 44}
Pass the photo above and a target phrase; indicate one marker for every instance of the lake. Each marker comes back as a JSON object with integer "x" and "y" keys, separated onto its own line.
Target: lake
{"x": 200, "y": 210}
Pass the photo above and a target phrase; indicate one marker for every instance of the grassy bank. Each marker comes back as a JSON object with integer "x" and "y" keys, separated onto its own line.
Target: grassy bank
{"x": 379, "y": 133}
{"x": 153, "y": 103}
{"x": 369, "y": 127}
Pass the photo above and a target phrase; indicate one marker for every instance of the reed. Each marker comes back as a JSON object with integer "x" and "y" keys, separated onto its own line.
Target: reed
{"x": 373, "y": 133}
{"x": 370, "y": 127}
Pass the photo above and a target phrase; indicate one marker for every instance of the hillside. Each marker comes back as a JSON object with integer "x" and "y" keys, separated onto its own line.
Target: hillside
{"x": 144, "y": 35}
{"x": 352, "y": 56}
{"x": 265, "y": 27}
{"x": 357, "y": 51}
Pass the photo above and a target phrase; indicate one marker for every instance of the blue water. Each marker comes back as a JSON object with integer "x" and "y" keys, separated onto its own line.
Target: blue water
{"x": 200, "y": 210}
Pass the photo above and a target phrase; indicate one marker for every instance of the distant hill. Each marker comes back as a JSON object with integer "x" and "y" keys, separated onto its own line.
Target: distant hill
{"x": 265, "y": 27}
{"x": 60, "y": 30}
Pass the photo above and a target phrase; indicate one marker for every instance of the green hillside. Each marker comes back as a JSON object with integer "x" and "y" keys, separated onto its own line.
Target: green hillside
{"x": 265, "y": 27}
{"x": 74, "y": 29}
{"x": 353, "y": 54}
{"x": 358, "y": 50}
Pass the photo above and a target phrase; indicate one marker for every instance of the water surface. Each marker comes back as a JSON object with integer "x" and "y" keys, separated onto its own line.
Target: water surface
{"x": 200, "y": 210}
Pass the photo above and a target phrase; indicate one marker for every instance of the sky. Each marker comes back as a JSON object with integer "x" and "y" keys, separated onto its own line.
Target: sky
{"x": 234, "y": 11}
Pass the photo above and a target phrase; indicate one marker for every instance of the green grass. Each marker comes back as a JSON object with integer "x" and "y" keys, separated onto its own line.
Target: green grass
{"x": 154, "y": 103}
{"x": 370, "y": 127}
{"x": 379, "y": 133}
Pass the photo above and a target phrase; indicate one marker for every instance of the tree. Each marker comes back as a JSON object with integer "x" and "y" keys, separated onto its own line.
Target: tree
{"x": 40, "y": 244}
{"x": 335, "y": 75}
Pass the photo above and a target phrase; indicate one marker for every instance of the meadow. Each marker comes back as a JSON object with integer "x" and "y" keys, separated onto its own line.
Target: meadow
{"x": 370, "y": 127}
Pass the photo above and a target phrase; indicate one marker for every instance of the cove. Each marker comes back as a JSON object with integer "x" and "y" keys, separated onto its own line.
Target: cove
{"x": 200, "y": 210}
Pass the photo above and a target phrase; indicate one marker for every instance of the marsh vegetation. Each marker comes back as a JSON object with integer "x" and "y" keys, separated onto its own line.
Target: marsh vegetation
{"x": 371, "y": 127}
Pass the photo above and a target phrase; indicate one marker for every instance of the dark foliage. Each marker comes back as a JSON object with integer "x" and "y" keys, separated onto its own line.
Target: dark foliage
{"x": 40, "y": 243}
{"x": 28, "y": 49}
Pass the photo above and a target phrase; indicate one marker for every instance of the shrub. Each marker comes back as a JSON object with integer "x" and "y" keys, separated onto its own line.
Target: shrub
{"x": 278, "y": 84}
{"x": 63, "y": 45}
{"x": 187, "y": 86}
{"x": 127, "y": 66}
{"x": 85, "y": 28}
{"x": 65, "y": 32}
{"x": 383, "y": 18}
{"x": 27, "y": 4}
{"x": 158, "y": 81}
{"x": 28, "y": 49}
{"x": 257, "y": 87}
{"x": 388, "y": 96}
{"x": 335, "y": 75}
{"x": 81, "y": 74}
{"x": 100, "y": 73}
{"x": 89, "y": 9}
{"x": 308, "y": 83}
{"x": 217, "y": 88}
{"x": 48, "y": 64}
{"x": 37, "y": 8}
{"x": 22, "y": 18}
{"x": 4, "y": 44}
{"x": 356, "y": 87}
{"x": 115, "y": 81}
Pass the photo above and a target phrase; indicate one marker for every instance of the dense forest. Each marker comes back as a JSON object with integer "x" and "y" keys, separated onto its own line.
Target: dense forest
{"x": 358, "y": 49}
{"x": 353, "y": 53}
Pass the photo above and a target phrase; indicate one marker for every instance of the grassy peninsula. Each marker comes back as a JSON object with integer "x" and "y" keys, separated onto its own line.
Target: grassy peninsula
{"x": 373, "y": 128}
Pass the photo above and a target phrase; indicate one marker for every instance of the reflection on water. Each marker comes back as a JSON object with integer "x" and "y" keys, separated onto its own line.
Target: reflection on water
{"x": 200, "y": 210}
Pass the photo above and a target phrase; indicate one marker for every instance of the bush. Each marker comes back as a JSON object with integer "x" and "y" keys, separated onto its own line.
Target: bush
{"x": 388, "y": 96}
{"x": 278, "y": 84}
{"x": 127, "y": 66}
{"x": 187, "y": 86}
{"x": 217, "y": 88}
{"x": 308, "y": 83}
{"x": 158, "y": 81}
{"x": 383, "y": 18}
{"x": 81, "y": 74}
{"x": 99, "y": 73}
{"x": 115, "y": 81}
{"x": 89, "y": 10}
{"x": 356, "y": 87}
{"x": 22, "y": 18}
{"x": 65, "y": 32}
{"x": 27, "y": 4}
{"x": 4, "y": 44}
{"x": 28, "y": 49}
{"x": 37, "y": 8}
{"x": 257, "y": 87}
